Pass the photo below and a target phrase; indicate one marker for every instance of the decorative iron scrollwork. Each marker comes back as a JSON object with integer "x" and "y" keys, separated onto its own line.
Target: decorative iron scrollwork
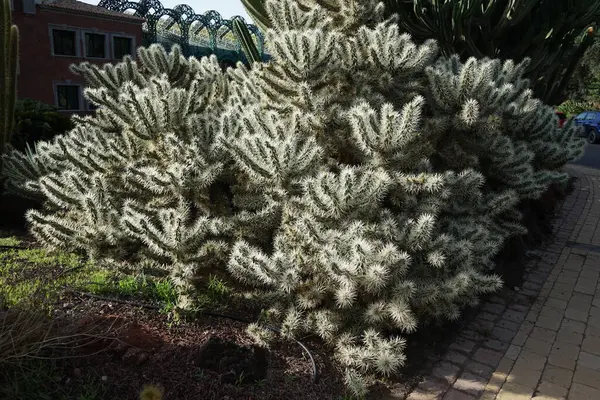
{"x": 183, "y": 26}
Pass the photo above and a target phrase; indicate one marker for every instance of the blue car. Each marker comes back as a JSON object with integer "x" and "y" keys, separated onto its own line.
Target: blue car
{"x": 590, "y": 120}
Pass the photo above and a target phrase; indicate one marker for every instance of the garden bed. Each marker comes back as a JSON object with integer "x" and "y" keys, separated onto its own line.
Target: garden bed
{"x": 126, "y": 344}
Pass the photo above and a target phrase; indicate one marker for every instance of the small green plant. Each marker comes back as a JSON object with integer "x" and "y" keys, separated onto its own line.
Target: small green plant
{"x": 199, "y": 374}
{"x": 151, "y": 392}
{"x": 217, "y": 288}
{"x": 9, "y": 241}
{"x": 240, "y": 379}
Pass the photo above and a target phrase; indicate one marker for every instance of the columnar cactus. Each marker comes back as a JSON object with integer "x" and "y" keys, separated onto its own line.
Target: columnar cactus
{"x": 9, "y": 54}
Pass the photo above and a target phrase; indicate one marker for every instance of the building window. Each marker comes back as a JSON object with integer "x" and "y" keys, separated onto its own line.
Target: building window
{"x": 122, "y": 46}
{"x": 67, "y": 97}
{"x": 64, "y": 42}
{"x": 91, "y": 106}
{"x": 95, "y": 45}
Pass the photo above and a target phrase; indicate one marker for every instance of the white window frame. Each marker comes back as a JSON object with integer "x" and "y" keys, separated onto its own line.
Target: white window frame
{"x": 82, "y": 105}
{"x": 125, "y": 36}
{"x": 106, "y": 44}
{"x": 52, "y": 28}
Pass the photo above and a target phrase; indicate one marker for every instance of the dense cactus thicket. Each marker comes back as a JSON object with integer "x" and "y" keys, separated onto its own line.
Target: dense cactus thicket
{"x": 356, "y": 185}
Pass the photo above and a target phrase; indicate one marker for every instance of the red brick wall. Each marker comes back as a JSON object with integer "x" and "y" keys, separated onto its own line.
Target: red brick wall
{"x": 38, "y": 68}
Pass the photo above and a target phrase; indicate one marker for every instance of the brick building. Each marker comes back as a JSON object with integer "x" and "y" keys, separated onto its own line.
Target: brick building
{"x": 57, "y": 33}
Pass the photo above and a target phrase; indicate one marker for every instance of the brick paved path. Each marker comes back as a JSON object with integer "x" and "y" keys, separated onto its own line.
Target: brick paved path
{"x": 542, "y": 342}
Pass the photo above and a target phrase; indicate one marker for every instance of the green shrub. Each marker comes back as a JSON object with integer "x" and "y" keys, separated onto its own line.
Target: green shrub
{"x": 36, "y": 121}
{"x": 572, "y": 107}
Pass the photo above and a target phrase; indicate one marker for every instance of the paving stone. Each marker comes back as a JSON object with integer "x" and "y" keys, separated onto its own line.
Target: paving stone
{"x": 556, "y": 303}
{"x": 538, "y": 346}
{"x": 586, "y": 288}
{"x": 514, "y": 391}
{"x": 419, "y": 394}
{"x": 524, "y": 375}
{"x": 507, "y": 324}
{"x": 487, "y": 316}
{"x": 488, "y": 357}
{"x": 480, "y": 325}
{"x": 583, "y": 392}
{"x": 564, "y": 355}
{"x": 518, "y": 307}
{"x": 547, "y": 397}
{"x": 591, "y": 344}
{"x": 515, "y": 316}
{"x": 503, "y": 334}
{"x": 488, "y": 395}
{"x": 532, "y": 360}
{"x": 580, "y": 301}
{"x": 454, "y": 394}
{"x": 552, "y": 389}
{"x": 472, "y": 335}
{"x": 446, "y": 371}
{"x": 479, "y": 369}
{"x": 496, "y": 344}
{"x": 543, "y": 334}
{"x": 495, "y": 382}
{"x": 576, "y": 314}
{"x": 520, "y": 338}
{"x": 548, "y": 322}
{"x": 566, "y": 335}
{"x": 575, "y": 326}
{"x": 589, "y": 360}
{"x": 463, "y": 345}
{"x": 456, "y": 358}
{"x": 471, "y": 384}
{"x": 560, "y": 294}
{"x": 504, "y": 366}
{"x": 532, "y": 316}
{"x": 587, "y": 376}
{"x": 513, "y": 352}
{"x": 430, "y": 389}
{"x": 557, "y": 375}
{"x": 494, "y": 308}
{"x": 591, "y": 330}
{"x": 531, "y": 285}
{"x": 551, "y": 312}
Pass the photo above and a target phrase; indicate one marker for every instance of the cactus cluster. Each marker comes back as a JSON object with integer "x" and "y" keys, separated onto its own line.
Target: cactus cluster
{"x": 554, "y": 34}
{"x": 9, "y": 54}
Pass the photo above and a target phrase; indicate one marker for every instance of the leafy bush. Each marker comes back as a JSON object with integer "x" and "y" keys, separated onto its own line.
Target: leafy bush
{"x": 357, "y": 185}
{"x": 36, "y": 121}
{"x": 572, "y": 107}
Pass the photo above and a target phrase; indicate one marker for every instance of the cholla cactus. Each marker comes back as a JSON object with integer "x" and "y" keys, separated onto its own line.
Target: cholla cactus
{"x": 395, "y": 176}
{"x": 354, "y": 184}
{"x": 139, "y": 180}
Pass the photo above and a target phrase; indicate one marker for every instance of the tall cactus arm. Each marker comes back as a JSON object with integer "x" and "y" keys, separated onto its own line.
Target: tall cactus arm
{"x": 9, "y": 53}
{"x": 248, "y": 47}
{"x": 13, "y": 59}
{"x": 4, "y": 50}
{"x": 256, "y": 9}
